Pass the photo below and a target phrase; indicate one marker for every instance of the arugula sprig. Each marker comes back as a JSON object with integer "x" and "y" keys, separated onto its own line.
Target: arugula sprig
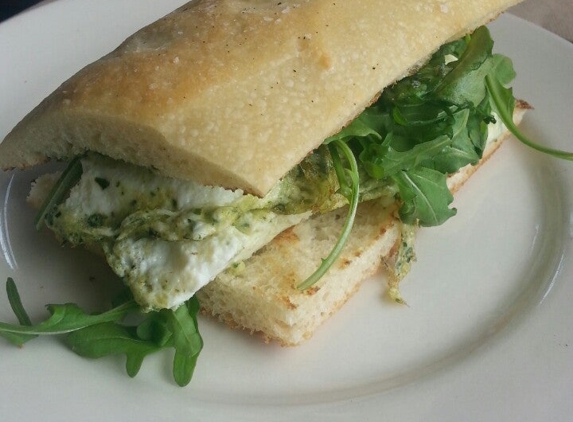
{"x": 504, "y": 104}
{"x": 104, "y": 334}
{"x": 349, "y": 187}
{"x": 67, "y": 180}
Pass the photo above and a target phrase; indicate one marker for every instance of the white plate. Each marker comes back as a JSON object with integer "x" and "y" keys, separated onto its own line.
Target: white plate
{"x": 487, "y": 335}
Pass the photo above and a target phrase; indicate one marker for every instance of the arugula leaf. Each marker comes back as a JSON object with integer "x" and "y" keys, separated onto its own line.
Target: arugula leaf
{"x": 67, "y": 318}
{"x": 349, "y": 187}
{"x": 460, "y": 151}
{"x": 186, "y": 341}
{"x": 503, "y": 103}
{"x": 425, "y": 197}
{"x": 21, "y": 315}
{"x": 67, "y": 180}
{"x": 108, "y": 338}
{"x": 154, "y": 328}
{"x": 464, "y": 84}
{"x": 502, "y": 68}
{"x": 104, "y": 334}
{"x": 362, "y": 126}
{"x": 385, "y": 161}
{"x": 16, "y": 303}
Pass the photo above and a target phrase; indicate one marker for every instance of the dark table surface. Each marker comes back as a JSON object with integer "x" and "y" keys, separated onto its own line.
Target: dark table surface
{"x": 11, "y": 7}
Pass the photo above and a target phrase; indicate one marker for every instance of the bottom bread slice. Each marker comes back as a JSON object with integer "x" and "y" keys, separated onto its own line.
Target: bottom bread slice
{"x": 262, "y": 297}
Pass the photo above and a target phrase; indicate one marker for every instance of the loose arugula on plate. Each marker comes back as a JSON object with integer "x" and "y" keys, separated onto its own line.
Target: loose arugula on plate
{"x": 104, "y": 334}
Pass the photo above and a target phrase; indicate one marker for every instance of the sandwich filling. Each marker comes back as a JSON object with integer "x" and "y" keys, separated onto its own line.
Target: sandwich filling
{"x": 167, "y": 238}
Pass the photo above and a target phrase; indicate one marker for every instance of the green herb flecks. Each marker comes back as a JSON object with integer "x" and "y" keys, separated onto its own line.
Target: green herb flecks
{"x": 103, "y": 334}
{"x": 67, "y": 180}
{"x": 103, "y": 183}
{"x": 402, "y": 262}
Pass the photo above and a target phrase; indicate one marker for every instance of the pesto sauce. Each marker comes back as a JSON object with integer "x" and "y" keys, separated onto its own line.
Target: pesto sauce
{"x": 167, "y": 238}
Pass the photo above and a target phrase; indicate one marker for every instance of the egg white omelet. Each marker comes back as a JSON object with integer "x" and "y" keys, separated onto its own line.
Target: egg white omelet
{"x": 165, "y": 238}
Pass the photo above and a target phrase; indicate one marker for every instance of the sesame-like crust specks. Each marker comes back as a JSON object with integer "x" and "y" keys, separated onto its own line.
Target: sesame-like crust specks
{"x": 236, "y": 92}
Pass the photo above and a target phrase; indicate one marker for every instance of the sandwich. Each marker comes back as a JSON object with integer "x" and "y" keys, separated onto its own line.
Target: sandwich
{"x": 260, "y": 159}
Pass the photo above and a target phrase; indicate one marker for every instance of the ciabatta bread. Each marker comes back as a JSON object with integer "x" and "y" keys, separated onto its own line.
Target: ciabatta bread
{"x": 234, "y": 93}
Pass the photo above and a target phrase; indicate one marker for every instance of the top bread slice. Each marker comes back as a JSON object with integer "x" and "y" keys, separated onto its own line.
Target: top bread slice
{"x": 236, "y": 92}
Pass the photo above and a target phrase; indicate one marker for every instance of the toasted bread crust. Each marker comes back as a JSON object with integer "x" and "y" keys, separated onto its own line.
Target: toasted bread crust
{"x": 263, "y": 298}
{"x": 236, "y": 92}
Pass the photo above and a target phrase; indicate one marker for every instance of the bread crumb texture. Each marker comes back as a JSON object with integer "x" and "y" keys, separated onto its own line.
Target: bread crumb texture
{"x": 263, "y": 297}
